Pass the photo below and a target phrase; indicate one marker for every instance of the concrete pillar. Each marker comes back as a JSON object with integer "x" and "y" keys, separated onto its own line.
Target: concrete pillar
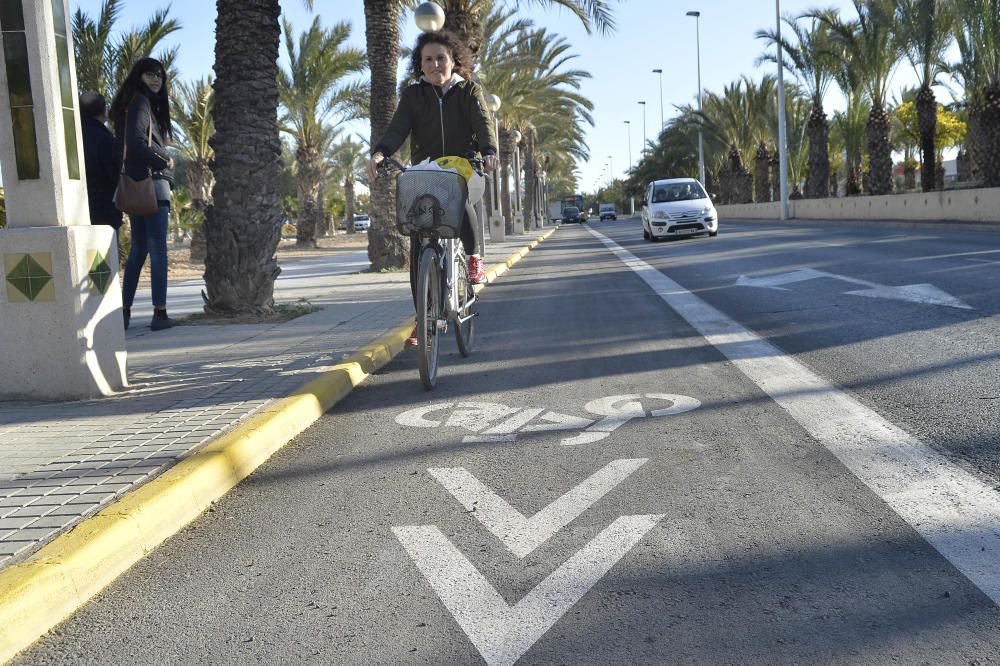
{"x": 60, "y": 304}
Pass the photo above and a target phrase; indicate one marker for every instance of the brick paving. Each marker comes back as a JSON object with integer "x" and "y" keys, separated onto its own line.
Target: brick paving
{"x": 62, "y": 462}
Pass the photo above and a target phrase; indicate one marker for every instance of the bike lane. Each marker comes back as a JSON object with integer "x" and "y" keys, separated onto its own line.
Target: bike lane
{"x": 596, "y": 484}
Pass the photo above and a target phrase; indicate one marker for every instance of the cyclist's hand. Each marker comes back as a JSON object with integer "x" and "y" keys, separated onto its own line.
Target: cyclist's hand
{"x": 372, "y": 166}
{"x": 491, "y": 162}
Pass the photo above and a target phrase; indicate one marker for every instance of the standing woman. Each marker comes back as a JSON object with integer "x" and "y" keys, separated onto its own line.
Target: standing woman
{"x": 141, "y": 116}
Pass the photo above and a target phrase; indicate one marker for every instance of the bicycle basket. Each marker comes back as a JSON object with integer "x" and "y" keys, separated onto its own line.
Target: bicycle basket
{"x": 430, "y": 203}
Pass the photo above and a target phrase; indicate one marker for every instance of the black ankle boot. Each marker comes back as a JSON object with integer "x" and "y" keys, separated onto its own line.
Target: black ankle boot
{"x": 161, "y": 321}
{"x": 126, "y": 316}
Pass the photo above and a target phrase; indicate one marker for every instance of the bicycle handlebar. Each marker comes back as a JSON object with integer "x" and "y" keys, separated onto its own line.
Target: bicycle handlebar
{"x": 389, "y": 164}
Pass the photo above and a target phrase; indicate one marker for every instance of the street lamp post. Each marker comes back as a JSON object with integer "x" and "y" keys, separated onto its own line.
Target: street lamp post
{"x": 628, "y": 131}
{"x": 660, "y": 72}
{"x": 643, "y": 104}
{"x": 782, "y": 152}
{"x": 701, "y": 145}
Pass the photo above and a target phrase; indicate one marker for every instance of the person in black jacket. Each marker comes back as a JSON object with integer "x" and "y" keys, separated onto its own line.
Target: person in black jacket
{"x": 443, "y": 113}
{"x": 140, "y": 113}
{"x": 102, "y": 159}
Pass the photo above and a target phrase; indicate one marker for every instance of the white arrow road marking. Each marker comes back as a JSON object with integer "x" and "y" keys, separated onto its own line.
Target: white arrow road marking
{"x": 914, "y": 293}
{"x": 522, "y": 535}
{"x": 926, "y": 294}
{"x": 503, "y": 633}
{"x": 776, "y": 281}
{"x": 953, "y": 510}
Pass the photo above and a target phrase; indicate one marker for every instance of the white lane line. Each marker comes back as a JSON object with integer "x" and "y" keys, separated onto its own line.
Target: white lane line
{"x": 503, "y": 633}
{"x": 522, "y": 535}
{"x": 953, "y": 510}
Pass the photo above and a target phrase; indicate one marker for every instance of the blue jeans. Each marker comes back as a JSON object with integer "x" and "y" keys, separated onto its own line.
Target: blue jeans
{"x": 149, "y": 238}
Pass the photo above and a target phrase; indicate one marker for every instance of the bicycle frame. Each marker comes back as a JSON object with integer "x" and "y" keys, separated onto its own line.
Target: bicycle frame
{"x": 447, "y": 254}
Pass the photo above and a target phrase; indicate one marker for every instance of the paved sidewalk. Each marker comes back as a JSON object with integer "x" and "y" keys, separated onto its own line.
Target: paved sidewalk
{"x": 62, "y": 462}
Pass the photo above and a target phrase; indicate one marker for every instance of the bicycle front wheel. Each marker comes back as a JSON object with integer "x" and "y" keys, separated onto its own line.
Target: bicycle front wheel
{"x": 428, "y": 314}
{"x": 464, "y": 332}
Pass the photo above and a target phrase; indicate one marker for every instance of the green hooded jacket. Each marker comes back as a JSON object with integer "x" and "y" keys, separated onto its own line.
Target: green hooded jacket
{"x": 459, "y": 116}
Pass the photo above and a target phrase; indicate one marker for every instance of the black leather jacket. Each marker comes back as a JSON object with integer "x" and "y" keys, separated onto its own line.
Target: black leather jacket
{"x": 458, "y": 119}
{"x": 142, "y": 157}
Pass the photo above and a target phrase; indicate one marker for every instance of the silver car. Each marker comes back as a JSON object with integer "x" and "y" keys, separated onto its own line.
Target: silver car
{"x": 677, "y": 207}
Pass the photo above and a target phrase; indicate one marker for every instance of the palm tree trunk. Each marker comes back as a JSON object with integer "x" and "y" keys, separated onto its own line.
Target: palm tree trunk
{"x": 762, "y": 176}
{"x": 467, "y": 27}
{"x": 309, "y": 183}
{"x": 989, "y": 134}
{"x": 927, "y": 124}
{"x": 530, "y": 218}
{"x": 349, "y": 202}
{"x": 506, "y": 140}
{"x": 387, "y": 249}
{"x": 243, "y": 224}
{"x": 879, "y": 150}
{"x": 818, "y": 179}
{"x": 200, "y": 182}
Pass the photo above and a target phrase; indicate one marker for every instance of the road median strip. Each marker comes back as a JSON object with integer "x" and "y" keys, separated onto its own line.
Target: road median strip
{"x": 48, "y": 587}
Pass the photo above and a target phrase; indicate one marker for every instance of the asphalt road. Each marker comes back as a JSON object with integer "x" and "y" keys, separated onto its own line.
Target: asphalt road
{"x": 607, "y": 481}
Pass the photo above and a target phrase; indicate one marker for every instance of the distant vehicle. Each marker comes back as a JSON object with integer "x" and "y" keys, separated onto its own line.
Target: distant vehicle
{"x": 608, "y": 212}
{"x": 571, "y": 214}
{"x": 362, "y": 222}
{"x": 677, "y": 207}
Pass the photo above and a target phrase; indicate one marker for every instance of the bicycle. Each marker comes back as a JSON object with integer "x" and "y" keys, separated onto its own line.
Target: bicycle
{"x": 431, "y": 204}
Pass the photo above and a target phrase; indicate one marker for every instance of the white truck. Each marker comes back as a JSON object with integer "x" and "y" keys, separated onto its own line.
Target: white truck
{"x": 555, "y": 211}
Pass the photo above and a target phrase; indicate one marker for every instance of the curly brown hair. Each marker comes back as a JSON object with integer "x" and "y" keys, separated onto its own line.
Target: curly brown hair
{"x": 459, "y": 52}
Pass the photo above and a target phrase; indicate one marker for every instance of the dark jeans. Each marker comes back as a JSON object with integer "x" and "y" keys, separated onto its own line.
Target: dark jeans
{"x": 470, "y": 235}
{"x": 149, "y": 238}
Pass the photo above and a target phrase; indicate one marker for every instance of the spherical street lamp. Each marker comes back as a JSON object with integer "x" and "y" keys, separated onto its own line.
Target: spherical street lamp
{"x": 517, "y": 136}
{"x": 493, "y": 102}
{"x": 429, "y": 17}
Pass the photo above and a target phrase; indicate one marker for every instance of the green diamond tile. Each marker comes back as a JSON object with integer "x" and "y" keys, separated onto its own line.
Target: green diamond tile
{"x": 29, "y": 277}
{"x": 100, "y": 274}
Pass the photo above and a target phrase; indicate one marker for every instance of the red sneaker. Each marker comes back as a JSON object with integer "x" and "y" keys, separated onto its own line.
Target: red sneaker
{"x": 412, "y": 340}
{"x": 476, "y": 273}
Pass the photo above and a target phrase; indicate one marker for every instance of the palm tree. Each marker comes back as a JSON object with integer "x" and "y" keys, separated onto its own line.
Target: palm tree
{"x": 873, "y": 49}
{"x": 925, "y": 28}
{"x": 346, "y": 165}
{"x": 312, "y": 94}
{"x": 809, "y": 60}
{"x": 978, "y": 38}
{"x": 243, "y": 223}
{"x": 102, "y": 63}
{"x": 192, "y": 115}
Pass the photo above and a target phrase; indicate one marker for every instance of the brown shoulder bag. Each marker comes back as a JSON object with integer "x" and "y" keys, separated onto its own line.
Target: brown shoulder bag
{"x": 136, "y": 197}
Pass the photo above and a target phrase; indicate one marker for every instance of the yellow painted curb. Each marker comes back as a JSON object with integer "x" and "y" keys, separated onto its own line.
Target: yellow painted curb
{"x": 62, "y": 576}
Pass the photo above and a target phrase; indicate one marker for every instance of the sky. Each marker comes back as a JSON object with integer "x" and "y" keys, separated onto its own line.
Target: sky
{"x": 650, "y": 34}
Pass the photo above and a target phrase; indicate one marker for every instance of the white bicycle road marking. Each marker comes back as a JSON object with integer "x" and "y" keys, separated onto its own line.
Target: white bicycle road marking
{"x": 501, "y": 632}
{"x": 957, "y": 513}
{"x": 495, "y": 422}
{"x": 522, "y": 535}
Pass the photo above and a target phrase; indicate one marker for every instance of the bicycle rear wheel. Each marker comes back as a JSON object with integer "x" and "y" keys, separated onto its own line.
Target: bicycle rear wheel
{"x": 428, "y": 313}
{"x": 466, "y": 292}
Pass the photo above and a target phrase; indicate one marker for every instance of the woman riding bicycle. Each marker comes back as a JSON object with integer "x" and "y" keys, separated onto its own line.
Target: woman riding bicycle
{"x": 443, "y": 113}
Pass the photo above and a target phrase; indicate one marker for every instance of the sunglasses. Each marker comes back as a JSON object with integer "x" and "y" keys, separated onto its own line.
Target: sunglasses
{"x": 156, "y": 75}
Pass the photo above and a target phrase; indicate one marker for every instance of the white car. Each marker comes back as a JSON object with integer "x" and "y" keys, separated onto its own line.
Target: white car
{"x": 362, "y": 222}
{"x": 677, "y": 207}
